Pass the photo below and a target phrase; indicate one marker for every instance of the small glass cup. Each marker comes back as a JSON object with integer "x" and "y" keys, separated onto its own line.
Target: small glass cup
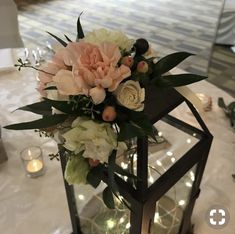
{"x": 33, "y": 161}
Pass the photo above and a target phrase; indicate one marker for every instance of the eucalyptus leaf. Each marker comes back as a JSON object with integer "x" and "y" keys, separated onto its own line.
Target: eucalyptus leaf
{"x": 168, "y": 62}
{"x": 63, "y": 43}
{"x": 108, "y": 198}
{"x": 45, "y": 122}
{"x": 177, "y": 80}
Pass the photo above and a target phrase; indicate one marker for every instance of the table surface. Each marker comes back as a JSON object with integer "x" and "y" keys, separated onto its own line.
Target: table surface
{"x": 40, "y": 206}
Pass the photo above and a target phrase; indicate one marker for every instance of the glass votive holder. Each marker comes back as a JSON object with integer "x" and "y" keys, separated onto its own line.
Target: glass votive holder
{"x": 32, "y": 161}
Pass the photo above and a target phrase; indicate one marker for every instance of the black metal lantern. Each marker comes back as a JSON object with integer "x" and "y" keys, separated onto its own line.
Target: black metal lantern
{"x": 168, "y": 182}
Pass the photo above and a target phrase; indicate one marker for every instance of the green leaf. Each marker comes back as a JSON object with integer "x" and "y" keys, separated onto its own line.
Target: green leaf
{"x": 63, "y": 43}
{"x": 80, "y": 33}
{"x": 66, "y": 106}
{"x": 45, "y": 122}
{"x": 177, "y": 80}
{"x": 168, "y": 62}
{"x": 95, "y": 175}
{"x": 68, "y": 39}
{"x": 133, "y": 123}
{"x": 108, "y": 198}
{"x": 127, "y": 131}
{"x": 41, "y": 108}
{"x": 140, "y": 119}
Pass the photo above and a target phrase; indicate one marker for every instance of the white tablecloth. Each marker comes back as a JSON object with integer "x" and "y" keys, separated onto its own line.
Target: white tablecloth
{"x": 39, "y": 205}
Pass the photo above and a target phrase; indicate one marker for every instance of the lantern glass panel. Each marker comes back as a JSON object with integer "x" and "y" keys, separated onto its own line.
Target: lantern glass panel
{"x": 172, "y": 143}
{"x": 187, "y": 117}
{"x": 175, "y": 144}
{"x": 170, "y": 207}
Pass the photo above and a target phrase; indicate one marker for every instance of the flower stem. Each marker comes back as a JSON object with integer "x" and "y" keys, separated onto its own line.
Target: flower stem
{"x": 22, "y": 64}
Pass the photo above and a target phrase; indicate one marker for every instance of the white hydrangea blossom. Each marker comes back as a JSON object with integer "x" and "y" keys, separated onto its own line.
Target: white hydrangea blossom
{"x": 95, "y": 138}
{"x": 104, "y": 35}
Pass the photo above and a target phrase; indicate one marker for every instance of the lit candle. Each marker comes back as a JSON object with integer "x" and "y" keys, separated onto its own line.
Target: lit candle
{"x": 34, "y": 166}
{"x": 33, "y": 161}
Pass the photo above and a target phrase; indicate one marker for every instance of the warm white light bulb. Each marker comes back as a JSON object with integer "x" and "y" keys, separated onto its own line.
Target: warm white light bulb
{"x": 181, "y": 202}
{"x": 156, "y": 217}
{"x": 128, "y": 225}
{"x": 121, "y": 220}
{"x": 173, "y": 159}
{"x": 110, "y": 223}
{"x": 169, "y": 153}
{"x": 159, "y": 163}
{"x": 192, "y": 176}
{"x": 151, "y": 180}
{"x": 81, "y": 196}
{"x": 189, "y": 141}
{"x": 124, "y": 165}
{"x": 160, "y": 134}
{"x": 135, "y": 157}
{"x": 188, "y": 184}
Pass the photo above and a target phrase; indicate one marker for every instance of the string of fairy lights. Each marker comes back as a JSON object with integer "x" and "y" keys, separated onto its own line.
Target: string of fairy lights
{"x": 117, "y": 220}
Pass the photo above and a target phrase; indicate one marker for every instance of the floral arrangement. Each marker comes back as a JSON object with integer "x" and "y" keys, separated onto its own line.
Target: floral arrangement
{"x": 92, "y": 98}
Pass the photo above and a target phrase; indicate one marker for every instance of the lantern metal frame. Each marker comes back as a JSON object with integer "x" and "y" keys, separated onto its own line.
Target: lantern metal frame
{"x": 143, "y": 199}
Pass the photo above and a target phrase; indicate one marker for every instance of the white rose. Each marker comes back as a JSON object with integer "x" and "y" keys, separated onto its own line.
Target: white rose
{"x": 104, "y": 35}
{"x": 97, "y": 94}
{"x": 97, "y": 139}
{"x": 131, "y": 95}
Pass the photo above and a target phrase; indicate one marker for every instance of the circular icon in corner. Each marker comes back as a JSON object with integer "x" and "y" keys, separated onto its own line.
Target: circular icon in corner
{"x": 217, "y": 216}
